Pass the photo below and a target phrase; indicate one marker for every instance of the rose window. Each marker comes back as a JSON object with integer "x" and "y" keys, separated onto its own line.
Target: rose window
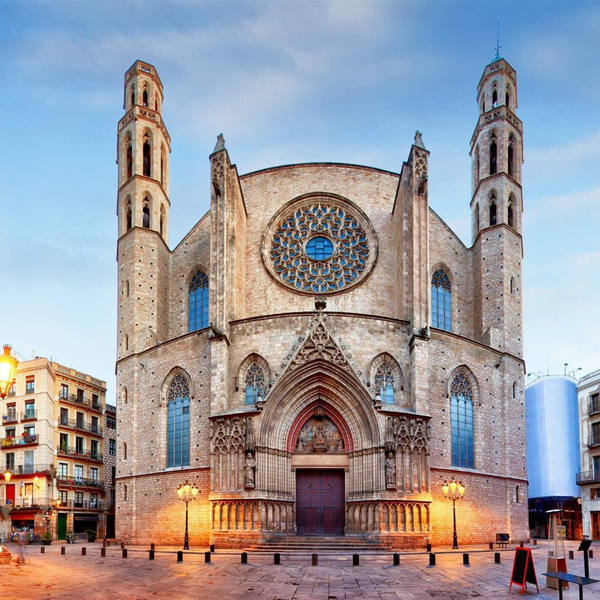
{"x": 319, "y": 245}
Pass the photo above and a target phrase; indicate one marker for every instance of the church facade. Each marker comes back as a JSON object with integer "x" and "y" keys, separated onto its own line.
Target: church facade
{"x": 321, "y": 352}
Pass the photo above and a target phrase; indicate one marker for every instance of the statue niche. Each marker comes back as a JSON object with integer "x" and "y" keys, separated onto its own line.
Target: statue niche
{"x": 320, "y": 434}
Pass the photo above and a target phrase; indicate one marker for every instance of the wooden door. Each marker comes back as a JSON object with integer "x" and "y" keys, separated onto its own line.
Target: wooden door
{"x": 320, "y": 502}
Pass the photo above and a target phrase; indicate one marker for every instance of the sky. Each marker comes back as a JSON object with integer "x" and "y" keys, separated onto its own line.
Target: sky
{"x": 287, "y": 82}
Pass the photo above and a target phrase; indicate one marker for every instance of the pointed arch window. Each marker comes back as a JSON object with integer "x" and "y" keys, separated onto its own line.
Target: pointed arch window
{"x": 132, "y": 97}
{"x": 507, "y": 97}
{"x": 146, "y": 214}
{"x": 147, "y": 156}
{"x": 477, "y": 164}
{"x": 493, "y": 155}
{"x": 254, "y": 383}
{"x": 384, "y": 383}
{"x": 128, "y": 214}
{"x": 477, "y": 218}
{"x": 461, "y": 414}
{"x": 510, "y": 153}
{"x": 145, "y": 97}
{"x": 198, "y": 302}
{"x": 129, "y": 157}
{"x": 441, "y": 301}
{"x": 510, "y": 214}
{"x": 162, "y": 219}
{"x": 178, "y": 422}
{"x": 495, "y": 98}
{"x": 493, "y": 213}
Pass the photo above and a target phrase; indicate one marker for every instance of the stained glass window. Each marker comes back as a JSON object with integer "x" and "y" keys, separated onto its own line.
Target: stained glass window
{"x": 178, "y": 422}
{"x": 254, "y": 383}
{"x": 198, "y": 302}
{"x": 384, "y": 382}
{"x": 441, "y": 301}
{"x": 461, "y": 409}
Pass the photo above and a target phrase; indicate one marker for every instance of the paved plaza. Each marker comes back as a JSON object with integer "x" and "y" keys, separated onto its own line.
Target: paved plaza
{"x": 52, "y": 575}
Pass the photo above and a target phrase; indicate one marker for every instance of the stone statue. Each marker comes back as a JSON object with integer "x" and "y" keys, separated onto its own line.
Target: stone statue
{"x": 249, "y": 468}
{"x": 390, "y": 471}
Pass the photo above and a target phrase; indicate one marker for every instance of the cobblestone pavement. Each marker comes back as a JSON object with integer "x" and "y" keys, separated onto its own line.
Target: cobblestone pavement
{"x": 51, "y": 575}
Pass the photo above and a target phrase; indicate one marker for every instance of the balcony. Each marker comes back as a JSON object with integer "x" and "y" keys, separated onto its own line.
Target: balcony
{"x": 77, "y": 482}
{"x": 32, "y": 502}
{"x": 32, "y": 470}
{"x": 81, "y": 401}
{"x": 11, "y": 417}
{"x": 587, "y": 477}
{"x": 29, "y": 415}
{"x": 83, "y": 505}
{"x": 593, "y": 440}
{"x": 81, "y": 426}
{"x": 74, "y": 453}
{"x": 24, "y": 440}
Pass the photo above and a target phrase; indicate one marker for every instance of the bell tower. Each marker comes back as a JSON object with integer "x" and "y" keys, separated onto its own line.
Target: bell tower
{"x": 496, "y": 208}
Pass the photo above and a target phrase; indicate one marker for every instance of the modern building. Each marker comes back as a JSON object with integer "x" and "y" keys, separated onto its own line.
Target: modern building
{"x": 52, "y": 443}
{"x": 588, "y": 395}
{"x": 553, "y": 453}
{"x": 321, "y": 351}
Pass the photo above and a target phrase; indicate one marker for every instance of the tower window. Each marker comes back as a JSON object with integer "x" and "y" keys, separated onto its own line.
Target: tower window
{"x": 132, "y": 97}
{"x": 129, "y": 159}
{"x": 493, "y": 156}
{"x": 495, "y": 98}
{"x": 156, "y": 102}
{"x": 510, "y": 215}
{"x": 198, "y": 302}
{"x": 145, "y": 97}
{"x": 384, "y": 383}
{"x": 493, "y": 211}
{"x": 512, "y": 289}
{"x": 162, "y": 219}
{"x": 254, "y": 383}
{"x": 507, "y": 97}
{"x": 178, "y": 422}
{"x": 511, "y": 140}
{"x": 477, "y": 218}
{"x": 146, "y": 215}
{"x": 461, "y": 416}
{"x": 162, "y": 167}
{"x": 477, "y": 164}
{"x": 128, "y": 215}
{"x": 147, "y": 157}
{"x": 441, "y": 301}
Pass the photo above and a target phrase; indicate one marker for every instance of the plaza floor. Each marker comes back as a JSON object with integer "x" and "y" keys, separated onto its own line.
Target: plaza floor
{"x": 52, "y": 575}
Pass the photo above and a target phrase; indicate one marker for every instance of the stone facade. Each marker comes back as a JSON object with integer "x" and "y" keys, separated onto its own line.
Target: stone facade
{"x": 320, "y": 354}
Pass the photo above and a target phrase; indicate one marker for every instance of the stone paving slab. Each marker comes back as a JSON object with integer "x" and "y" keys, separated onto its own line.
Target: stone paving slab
{"x": 73, "y": 576}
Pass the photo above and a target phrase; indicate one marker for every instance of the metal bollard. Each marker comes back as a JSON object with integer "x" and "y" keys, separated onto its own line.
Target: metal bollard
{"x": 43, "y": 549}
{"x": 591, "y": 554}
{"x": 277, "y": 558}
{"x": 63, "y": 550}
{"x": 491, "y": 545}
{"x": 207, "y": 557}
{"x": 465, "y": 559}
{"x": 571, "y": 557}
{"x": 179, "y": 555}
{"x": 396, "y": 560}
{"x": 124, "y": 552}
{"x": 104, "y": 543}
{"x": 244, "y": 558}
{"x": 428, "y": 547}
{"x": 107, "y": 543}
{"x": 152, "y": 546}
{"x": 535, "y": 542}
{"x": 355, "y": 560}
{"x": 521, "y": 544}
{"x": 151, "y": 554}
{"x": 122, "y": 545}
{"x": 103, "y": 552}
{"x": 212, "y": 548}
{"x": 83, "y": 551}
{"x": 432, "y": 559}
{"x": 315, "y": 560}
{"x": 497, "y": 557}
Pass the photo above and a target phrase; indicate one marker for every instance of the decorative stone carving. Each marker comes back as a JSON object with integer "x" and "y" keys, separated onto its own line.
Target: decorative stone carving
{"x": 319, "y": 434}
{"x": 228, "y": 442}
{"x": 220, "y": 145}
{"x": 249, "y": 469}
{"x": 390, "y": 471}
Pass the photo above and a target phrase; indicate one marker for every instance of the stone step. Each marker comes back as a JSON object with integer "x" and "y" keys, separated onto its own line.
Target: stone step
{"x": 330, "y": 544}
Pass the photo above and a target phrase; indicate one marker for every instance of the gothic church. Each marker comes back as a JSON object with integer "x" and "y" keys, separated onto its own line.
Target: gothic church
{"x": 321, "y": 352}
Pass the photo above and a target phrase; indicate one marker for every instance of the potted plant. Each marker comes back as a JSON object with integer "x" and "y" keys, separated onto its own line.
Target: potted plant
{"x": 92, "y": 535}
{"x": 47, "y": 538}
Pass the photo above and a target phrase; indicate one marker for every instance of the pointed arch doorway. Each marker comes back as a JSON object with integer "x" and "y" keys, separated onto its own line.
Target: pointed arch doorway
{"x": 320, "y": 441}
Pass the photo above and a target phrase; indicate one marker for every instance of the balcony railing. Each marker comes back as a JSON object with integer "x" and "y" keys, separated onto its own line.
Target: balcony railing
{"x": 593, "y": 407}
{"x": 29, "y": 415}
{"x": 81, "y": 426}
{"x": 74, "y": 453}
{"x": 593, "y": 440}
{"x": 78, "y": 482}
{"x": 31, "y": 502}
{"x": 83, "y": 504}
{"x": 10, "y": 417}
{"x": 81, "y": 401}
{"x": 587, "y": 477}
{"x": 32, "y": 470}
{"x": 24, "y": 440}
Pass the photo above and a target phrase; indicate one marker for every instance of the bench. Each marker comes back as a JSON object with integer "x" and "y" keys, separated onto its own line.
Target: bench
{"x": 73, "y": 537}
{"x": 578, "y": 579}
{"x": 502, "y": 539}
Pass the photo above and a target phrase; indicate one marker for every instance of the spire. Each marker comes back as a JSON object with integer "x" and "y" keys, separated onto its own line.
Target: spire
{"x": 498, "y": 46}
{"x": 419, "y": 140}
{"x": 220, "y": 145}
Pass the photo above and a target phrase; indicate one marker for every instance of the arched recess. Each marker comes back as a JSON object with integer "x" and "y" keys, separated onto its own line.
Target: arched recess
{"x": 244, "y": 366}
{"x": 336, "y": 387}
{"x": 396, "y": 370}
{"x": 167, "y": 382}
{"x": 472, "y": 380}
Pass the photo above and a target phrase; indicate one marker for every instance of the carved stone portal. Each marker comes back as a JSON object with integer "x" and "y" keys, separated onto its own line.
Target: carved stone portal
{"x": 320, "y": 434}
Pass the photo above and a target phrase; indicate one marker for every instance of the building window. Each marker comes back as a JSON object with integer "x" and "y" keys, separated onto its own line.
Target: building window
{"x": 29, "y": 410}
{"x": 10, "y": 461}
{"x": 64, "y": 498}
{"x": 79, "y": 420}
{"x": 461, "y": 411}
{"x": 64, "y": 391}
{"x": 384, "y": 383}
{"x": 79, "y": 447}
{"x": 129, "y": 159}
{"x": 64, "y": 443}
{"x": 11, "y": 432}
{"x": 518, "y": 494}
{"x": 30, "y": 384}
{"x": 112, "y": 447}
{"x": 78, "y": 500}
{"x": 145, "y": 97}
{"x": 198, "y": 302}
{"x": 94, "y": 473}
{"x": 94, "y": 501}
{"x": 493, "y": 155}
{"x": 95, "y": 401}
{"x": 147, "y": 153}
{"x": 594, "y": 493}
{"x": 254, "y": 383}
{"x": 178, "y": 420}
{"x": 132, "y": 97}
{"x": 441, "y": 301}
{"x": 111, "y": 423}
{"x": 128, "y": 216}
{"x": 124, "y": 450}
{"x": 63, "y": 469}
{"x": 125, "y": 493}
{"x": 29, "y": 431}
{"x": 94, "y": 449}
{"x": 146, "y": 214}
{"x": 95, "y": 428}
{"x": 78, "y": 473}
{"x": 80, "y": 396}
{"x": 511, "y": 218}
{"x": 510, "y": 153}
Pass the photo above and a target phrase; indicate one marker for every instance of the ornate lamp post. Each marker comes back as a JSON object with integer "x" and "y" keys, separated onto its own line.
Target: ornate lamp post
{"x": 454, "y": 490}
{"x": 8, "y": 368}
{"x": 187, "y": 493}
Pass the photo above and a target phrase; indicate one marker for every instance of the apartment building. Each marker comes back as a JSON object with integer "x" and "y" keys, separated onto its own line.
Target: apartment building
{"x": 52, "y": 443}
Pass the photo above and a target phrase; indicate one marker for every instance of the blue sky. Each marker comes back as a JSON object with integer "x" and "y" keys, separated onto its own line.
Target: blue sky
{"x": 287, "y": 82}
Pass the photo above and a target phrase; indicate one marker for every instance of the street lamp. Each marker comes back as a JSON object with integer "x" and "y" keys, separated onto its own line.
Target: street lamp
{"x": 454, "y": 490}
{"x": 8, "y": 368}
{"x": 187, "y": 493}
